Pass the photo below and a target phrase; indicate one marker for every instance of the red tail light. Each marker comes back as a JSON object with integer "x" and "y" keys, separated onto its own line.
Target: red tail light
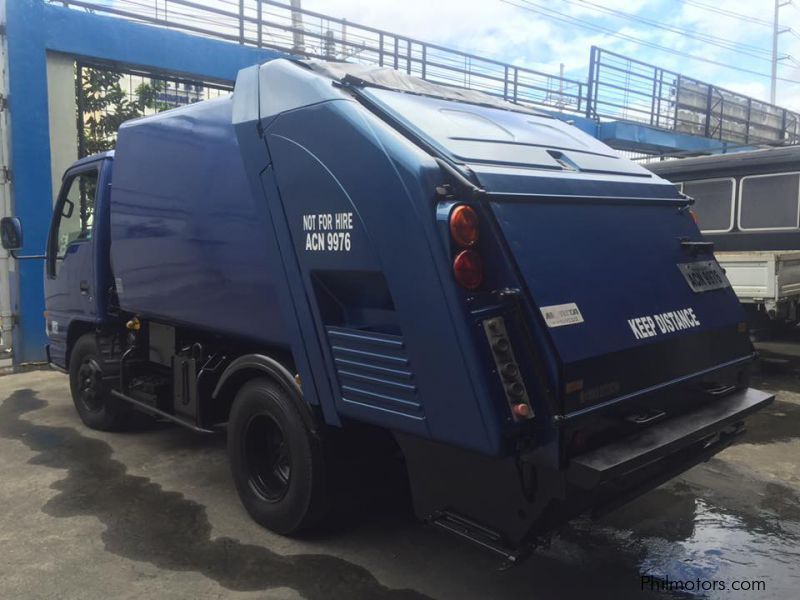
{"x": 468, "y": 269}
{"x": 464, "y": 226}
{"x": 694, "y": 217}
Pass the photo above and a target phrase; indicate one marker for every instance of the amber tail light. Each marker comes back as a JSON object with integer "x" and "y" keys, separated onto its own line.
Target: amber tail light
{"x": 465, "y": 231}
{"x": 464, "y": 226}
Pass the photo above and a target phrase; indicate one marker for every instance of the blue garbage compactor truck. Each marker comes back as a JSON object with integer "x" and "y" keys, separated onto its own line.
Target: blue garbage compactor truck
{"x": 536, "y": 321}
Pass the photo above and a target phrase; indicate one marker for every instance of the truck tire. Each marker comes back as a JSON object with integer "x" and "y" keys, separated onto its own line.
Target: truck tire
{"x": 276, "y": 460}
{"x": 96, "y": 406}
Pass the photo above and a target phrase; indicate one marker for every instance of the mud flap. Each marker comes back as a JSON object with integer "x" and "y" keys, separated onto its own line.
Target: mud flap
{"x": 493, "y": 501}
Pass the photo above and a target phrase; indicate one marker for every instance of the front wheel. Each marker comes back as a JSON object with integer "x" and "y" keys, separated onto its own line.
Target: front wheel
{"x": 91, "y": 394}
{"x": 276, "y": 459}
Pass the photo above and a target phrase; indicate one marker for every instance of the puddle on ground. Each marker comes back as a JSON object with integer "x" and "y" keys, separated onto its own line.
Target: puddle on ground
{"x": 778, "y": 422}
{"x": 677, "y": 533}
{"x": 147, "y": 523}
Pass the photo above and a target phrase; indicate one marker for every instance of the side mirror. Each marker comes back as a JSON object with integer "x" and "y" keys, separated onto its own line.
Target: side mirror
{"x": 69, "y": 207}
{"x": 11, "y": 233}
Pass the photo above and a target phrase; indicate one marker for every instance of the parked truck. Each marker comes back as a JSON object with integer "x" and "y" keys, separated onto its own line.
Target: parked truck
{"x": 536, "y": 322}
{"x": 748, "y": 205}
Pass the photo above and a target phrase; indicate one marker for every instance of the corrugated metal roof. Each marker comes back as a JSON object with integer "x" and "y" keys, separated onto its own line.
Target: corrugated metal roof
{"x": 780, "y": 156}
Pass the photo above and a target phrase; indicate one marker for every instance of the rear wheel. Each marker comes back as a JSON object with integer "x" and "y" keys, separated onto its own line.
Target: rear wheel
{"x": 275, "y": 458}
{"x": 96, "y": 406}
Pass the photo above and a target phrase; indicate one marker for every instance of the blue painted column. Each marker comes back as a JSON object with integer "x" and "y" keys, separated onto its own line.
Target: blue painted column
{"x": 30, "y": 167}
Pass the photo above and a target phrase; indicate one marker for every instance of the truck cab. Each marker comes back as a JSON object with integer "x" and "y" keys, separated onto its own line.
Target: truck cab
{"x": 534, "y": 322}
{"x": 77, "y": 269}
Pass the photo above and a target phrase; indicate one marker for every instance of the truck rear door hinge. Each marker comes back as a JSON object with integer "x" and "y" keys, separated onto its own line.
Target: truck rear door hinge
{"x": 5, "y": 174}
{"x": 3, "y": 102}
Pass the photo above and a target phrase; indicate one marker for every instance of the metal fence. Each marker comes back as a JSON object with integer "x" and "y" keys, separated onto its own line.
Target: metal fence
{"x": 627, "y": 89}
{"x": 281, "y": 27}
{"x": 618, "y": 87}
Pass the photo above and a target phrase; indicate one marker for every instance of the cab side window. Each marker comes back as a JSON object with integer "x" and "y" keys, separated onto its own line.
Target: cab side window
{"x": 75, "y": 214}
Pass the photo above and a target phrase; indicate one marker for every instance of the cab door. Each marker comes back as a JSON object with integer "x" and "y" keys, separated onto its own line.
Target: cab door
{"x": 70, "y": 291}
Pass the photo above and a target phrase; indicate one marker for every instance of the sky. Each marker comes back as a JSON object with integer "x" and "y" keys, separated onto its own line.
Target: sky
{"x": 518, "y": 35}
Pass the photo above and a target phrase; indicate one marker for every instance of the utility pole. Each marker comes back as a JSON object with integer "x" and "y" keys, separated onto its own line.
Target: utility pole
{"x": 297, "y": 28}
{"x": 776, "y": 31}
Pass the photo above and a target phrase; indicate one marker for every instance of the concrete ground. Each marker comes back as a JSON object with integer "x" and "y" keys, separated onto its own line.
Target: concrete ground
{"x": 153, "y": 513}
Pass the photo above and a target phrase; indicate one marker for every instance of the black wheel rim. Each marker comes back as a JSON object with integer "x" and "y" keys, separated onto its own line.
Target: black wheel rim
{"x": 267, "y": 457}
{"x": 90, "y": 382}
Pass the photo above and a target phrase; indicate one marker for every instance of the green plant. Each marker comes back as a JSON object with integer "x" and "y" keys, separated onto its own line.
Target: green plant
{"x": 105, "y": 105}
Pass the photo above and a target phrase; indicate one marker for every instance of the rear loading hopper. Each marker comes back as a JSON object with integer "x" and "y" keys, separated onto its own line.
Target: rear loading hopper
{"x": 579, "y": 347}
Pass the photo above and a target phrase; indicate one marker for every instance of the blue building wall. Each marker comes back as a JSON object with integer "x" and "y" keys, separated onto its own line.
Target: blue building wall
{"x": 33, "y": 28}
{"x": 637, "y": 137}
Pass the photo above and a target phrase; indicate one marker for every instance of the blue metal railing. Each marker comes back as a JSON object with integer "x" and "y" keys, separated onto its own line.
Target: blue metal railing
{"x": 275, "y": 25}
{"x": 627, "y": 89}
{"x": 618, "y": 87}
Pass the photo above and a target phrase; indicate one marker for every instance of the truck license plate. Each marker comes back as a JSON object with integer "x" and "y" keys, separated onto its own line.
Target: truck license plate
{"x": 704, "y": 276}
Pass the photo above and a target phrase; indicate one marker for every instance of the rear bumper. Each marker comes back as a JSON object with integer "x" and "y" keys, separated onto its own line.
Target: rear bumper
{"x": 667, "y": 447}
{"x": 505, "y": 502}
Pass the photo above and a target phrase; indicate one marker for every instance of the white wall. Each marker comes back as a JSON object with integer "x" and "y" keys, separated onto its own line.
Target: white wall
{"x": 63, "y": 114}
{"x": 7, "y": 271}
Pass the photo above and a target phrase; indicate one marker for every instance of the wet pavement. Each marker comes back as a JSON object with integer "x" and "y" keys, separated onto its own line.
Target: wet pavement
{"x": 153, "y": 513}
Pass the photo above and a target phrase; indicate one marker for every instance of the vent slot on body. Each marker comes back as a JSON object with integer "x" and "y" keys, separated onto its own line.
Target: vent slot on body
{"x": 374, "y": 371}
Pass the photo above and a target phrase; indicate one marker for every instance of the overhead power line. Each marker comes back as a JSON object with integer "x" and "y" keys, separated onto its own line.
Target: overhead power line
{"x": 727, "y": 44}
{"x": 564, "y": 18}
{"x": 728, "y": 13}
